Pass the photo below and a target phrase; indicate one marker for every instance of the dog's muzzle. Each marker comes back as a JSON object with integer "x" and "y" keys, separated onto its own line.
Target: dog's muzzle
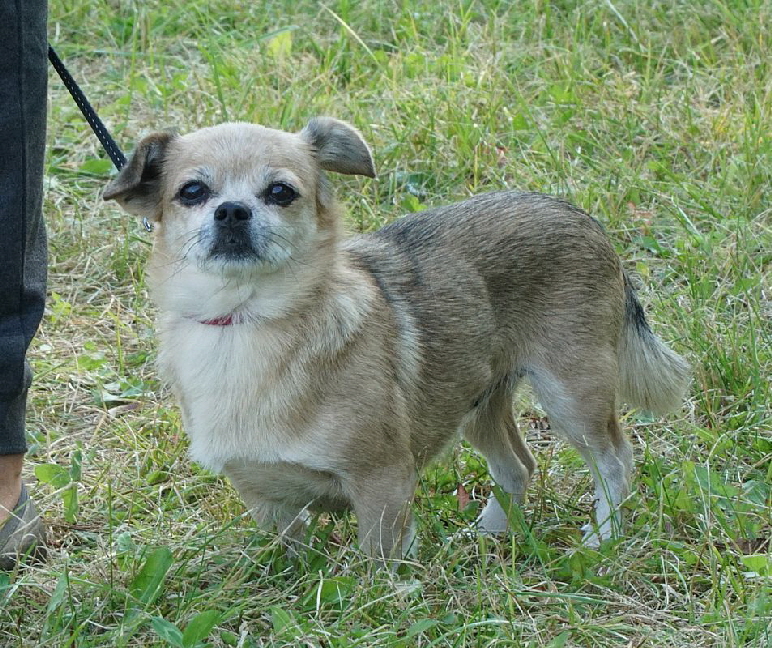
{"x": 232, "y": 231}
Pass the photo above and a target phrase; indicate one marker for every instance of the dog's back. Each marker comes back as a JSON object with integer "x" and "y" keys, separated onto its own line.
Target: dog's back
{"x": 524, "y": 276}
{"x": 492, "y": 288}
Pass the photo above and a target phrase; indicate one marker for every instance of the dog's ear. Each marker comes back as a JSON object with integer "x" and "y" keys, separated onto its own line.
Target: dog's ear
{"x": 339, "y": 147}
{"x": 137, "y": 187}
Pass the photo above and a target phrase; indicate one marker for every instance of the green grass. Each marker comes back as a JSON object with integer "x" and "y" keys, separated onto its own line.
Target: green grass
{"x": 655, "y": 117}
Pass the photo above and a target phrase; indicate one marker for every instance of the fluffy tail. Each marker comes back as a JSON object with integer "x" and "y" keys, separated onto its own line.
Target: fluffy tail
{"x": 651, "y": 376}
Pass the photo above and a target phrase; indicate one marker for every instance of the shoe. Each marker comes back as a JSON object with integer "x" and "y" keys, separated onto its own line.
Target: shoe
{"x": 22, "y": 535}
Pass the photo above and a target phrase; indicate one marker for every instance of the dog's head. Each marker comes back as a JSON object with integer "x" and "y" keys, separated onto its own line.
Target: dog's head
{"x": 238, "y": 196}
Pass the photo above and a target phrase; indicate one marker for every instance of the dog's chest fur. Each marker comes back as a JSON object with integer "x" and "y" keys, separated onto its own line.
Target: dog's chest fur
{"x": 265, "y": 391}
{"x": 239, "y": 396}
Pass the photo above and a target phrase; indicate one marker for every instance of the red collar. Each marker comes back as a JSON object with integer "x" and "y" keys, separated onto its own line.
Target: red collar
{"x": 225, "y": 320}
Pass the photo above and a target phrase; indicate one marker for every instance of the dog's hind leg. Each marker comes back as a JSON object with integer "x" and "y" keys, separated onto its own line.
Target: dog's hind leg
{"x": 492, "y": 430}
{"x": 580, "y": 401}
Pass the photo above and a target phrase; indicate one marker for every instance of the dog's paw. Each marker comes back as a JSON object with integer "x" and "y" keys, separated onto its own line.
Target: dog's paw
{"x": 493, "y": 519}
{"x": 595, "y": 536}
{"x": 466, "y": 534}
{"x": 590, "y": 536}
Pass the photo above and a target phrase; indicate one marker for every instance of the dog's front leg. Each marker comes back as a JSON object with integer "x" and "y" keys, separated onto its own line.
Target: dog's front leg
{"x": 269, "y": 503}
{"x": 290, "y": 524}
{"x": 381, "y": 499}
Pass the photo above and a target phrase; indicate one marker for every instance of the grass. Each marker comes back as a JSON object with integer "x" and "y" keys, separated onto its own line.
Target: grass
{"x": 652, "y": 116}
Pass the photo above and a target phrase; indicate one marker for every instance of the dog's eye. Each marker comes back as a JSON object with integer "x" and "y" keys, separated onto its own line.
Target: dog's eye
{"x": 193, "y": 193}
{"x": 280, "y": 194}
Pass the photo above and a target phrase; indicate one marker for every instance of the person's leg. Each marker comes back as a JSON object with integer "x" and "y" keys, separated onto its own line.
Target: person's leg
{"x": 23, "y": 76}
{"x": 10, "y": 482}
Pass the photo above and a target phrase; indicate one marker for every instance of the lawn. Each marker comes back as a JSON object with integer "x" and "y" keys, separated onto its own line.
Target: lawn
{"x": 653, "y": 116}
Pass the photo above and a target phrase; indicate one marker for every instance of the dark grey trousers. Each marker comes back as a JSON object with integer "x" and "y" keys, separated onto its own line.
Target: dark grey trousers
{"x": 23, "y": 75}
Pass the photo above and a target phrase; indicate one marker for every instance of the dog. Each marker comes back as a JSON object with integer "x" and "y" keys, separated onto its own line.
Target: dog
{"x": 321, "y": 373}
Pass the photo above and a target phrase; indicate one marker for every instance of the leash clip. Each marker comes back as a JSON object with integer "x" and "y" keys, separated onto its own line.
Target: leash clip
{"x": 147, "y": 224}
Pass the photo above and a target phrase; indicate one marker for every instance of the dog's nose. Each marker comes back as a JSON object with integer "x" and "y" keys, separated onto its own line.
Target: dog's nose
{"x": 232, "y": 212}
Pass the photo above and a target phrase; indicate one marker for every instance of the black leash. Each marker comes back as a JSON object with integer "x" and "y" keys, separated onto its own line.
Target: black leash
{"x": 100, "y": 130}
{"x": 108, "y": 143}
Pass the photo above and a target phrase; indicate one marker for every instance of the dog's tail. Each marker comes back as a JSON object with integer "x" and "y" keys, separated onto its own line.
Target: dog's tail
{"x": 651, "y": 376}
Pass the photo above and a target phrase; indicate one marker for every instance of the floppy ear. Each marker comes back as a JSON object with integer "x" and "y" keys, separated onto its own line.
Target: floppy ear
{"x": 137, "y": 187}
{"x": 339, "y": 147}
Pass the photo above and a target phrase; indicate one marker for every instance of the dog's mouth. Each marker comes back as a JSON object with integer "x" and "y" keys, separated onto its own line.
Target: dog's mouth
{"x": 242, "y": 248}
{"x": 233, "y": 244}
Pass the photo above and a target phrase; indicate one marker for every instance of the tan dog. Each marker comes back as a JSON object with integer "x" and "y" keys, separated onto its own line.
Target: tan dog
{"x": 322, "y": 374}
